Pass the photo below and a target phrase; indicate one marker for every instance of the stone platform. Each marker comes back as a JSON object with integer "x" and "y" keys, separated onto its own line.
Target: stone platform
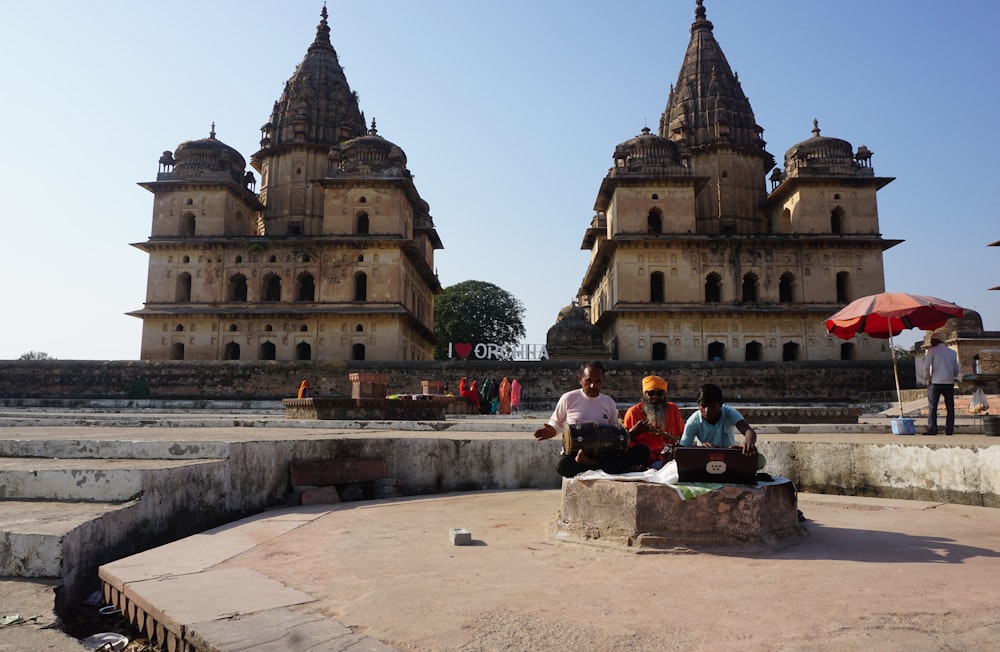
{"x": 331, "y": 408}
{"x": 651, "y": 516}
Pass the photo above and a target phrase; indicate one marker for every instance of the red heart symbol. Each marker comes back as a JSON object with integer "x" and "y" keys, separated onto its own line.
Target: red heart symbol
{"x": 463, "y": 349}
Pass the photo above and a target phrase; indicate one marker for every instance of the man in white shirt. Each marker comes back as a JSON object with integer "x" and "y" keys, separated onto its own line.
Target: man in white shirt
{"x": 942, "y": 371}
{"x": 588, "y": 405}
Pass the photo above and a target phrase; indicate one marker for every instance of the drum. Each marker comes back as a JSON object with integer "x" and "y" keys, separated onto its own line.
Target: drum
{"x": 594, "y": 439}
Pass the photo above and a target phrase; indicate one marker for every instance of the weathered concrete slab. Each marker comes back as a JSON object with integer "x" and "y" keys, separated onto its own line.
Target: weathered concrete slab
{"x": 653, "y": 516}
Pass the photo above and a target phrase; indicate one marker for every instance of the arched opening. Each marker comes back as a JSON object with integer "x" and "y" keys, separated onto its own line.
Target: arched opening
{"x": 183, "y": 289}
{"x": 237, "y": 290}
{"x": 843, "y": 287}
{"x": 177, "y": 351}
{"x": 659, "y": 350}
{"x": 188, "y": 223}
{"x": 272, "y": 287}
{"x": 654, "y": 221}
{"x": 357, "y": 352}
{"x": 268, "y": 351}
{"x": 837, "y": 220}
{"x": 753, "y": 352}
{"x": 179, "y": 327}
{"x": 360, "y": 287}
{"x": 361, "y": 224}
{"x": 232, "y": 351}
{"x": 233, "y": 328}
{"x": 713, "y": 288}
{"x": 359, "y": 329}
{"x": 303, "y": 328}
{"x": 305, "y": 287}
{"x": 786, "y": 288}
{"x": 303, "y": 351}
{"x": 656, "y": 287}
{"x": 847, "y": 351}
{"x": 786, "y": 221}
{"x": 790, "y": 352}
{"x": 716, "y": 352}
{"x": 750, "y": 284}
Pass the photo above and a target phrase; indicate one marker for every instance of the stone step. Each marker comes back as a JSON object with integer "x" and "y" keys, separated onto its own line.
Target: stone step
{"x": 48, "y": 539}
{"x": 80, "y": 480}
{"x": 115, "y": 448}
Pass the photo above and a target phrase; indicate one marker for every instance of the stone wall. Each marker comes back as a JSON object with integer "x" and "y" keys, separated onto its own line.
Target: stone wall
{"x": 543, "y": 382}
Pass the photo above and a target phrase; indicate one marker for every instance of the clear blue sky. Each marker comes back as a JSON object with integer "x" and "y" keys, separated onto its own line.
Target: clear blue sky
{"x": 508, "y": 112}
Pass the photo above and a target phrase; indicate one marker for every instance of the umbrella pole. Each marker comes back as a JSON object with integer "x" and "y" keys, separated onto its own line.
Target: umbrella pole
{"x": 895, "y": 373}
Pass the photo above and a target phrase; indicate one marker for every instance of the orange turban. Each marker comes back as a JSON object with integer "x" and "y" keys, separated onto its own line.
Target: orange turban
{"x": 653, "y": 382}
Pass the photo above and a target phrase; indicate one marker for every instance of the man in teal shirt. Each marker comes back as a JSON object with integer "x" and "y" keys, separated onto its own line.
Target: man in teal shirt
{"x": 714, "y": 423}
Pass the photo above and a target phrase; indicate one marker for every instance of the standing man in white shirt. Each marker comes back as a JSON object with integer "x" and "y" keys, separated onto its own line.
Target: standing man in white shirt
{"x": 941, "y": 370}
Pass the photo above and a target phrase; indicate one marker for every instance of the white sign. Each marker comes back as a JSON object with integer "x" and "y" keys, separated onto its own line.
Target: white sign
{"x": 491, "y": 351}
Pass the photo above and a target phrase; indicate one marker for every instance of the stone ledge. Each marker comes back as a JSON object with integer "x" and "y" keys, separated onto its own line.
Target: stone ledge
{"x": 648, "y": 516}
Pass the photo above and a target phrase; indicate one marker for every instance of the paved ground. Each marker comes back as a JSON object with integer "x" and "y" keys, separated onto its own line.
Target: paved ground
{"x": 879, "y": 574}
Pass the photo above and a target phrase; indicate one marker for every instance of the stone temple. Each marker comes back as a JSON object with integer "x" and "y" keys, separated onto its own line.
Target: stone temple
{"x": 692, "y": 258}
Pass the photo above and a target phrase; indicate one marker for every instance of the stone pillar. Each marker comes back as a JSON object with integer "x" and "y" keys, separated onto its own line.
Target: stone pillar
{"x": 369, "y": 385}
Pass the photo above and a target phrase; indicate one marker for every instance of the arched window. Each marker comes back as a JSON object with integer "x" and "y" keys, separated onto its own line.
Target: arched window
{"x": 233, "y": 328}
{"x": 268, "y": 351}
{"x": 790, "y": 352}
{"x": 303, "y": 351}
{"x": 188, "y": 223}
{"x": 659, "y": 350}
{"x": 304, "y": 328}
{"x": 753, "y": 352}
{"x": 268, "y": 328}
{"x": 836, "y": 220}
{"x": 786, "y": 288}
{"x": 358, "y": 352}
{"x": 750, "y": 283}
{"x": 359, "y": 328}
{"x": 360, "y": 287}
{"x": 183, "y": 291}
{"x": 232, "y": 351}
{"x": 272, "y": 287}
{"x": 305, "y": 287}
{"x": 177, "y": 351}
{"x": 656, "y": 287}
{"x": 179, "y": 327}
{"x": 713, "y": 288}
{"x": 786, "y": 221}
{"x": 238, "y": 260}
{"x": 654, "y": 221}
{"x": 237, "y": 290}
{"x": 847, "y": 351}
{"x": 716, "y": 352}
{"x": 361, "y": 224}
{"x": 843, "y": 287}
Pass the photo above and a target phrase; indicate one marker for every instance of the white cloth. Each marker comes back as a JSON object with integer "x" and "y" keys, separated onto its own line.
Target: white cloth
{"x": 577, "y": 407}
{"x": 668, "y": 475}
{"x": 941, "y": 365}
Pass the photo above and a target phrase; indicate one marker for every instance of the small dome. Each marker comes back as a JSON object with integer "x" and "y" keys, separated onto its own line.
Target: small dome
{"x": 368, "y": 154}
{"x": 573, "y": 336}
{"x": 647, "y": 153}
{"x": 820, "y": 150}
{"x": 208, "y": 158}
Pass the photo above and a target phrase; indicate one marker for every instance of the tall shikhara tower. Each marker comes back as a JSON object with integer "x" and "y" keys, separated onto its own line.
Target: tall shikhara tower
{"x": 332, "y": 260}
{"x": 692, "y": 258}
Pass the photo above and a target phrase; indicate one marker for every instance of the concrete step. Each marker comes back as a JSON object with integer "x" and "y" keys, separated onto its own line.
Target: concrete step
{"x": 115, "y": 446}
{"x": 80, "y": 480}
{"x": 45, "y": 539}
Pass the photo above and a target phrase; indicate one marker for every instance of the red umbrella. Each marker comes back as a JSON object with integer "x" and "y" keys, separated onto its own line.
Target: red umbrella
{"x": 890, "y": 313}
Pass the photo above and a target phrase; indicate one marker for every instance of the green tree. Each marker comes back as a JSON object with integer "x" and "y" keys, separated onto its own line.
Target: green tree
{"x": 475, "y": 312}
{"x": 35, "y": 355}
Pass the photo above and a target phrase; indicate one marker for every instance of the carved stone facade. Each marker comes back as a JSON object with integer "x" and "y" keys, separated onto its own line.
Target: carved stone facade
{"x": 332, "y": 260}
{"x": 693, "y": 259}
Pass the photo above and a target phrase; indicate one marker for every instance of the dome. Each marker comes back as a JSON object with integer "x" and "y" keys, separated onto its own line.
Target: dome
{"x": 368, "y": 154}
{"x": 820, "y": 151}
{"x": 208, "y": 159}
{"x": 573, "y": 336}
{"x": 647, "y": 153}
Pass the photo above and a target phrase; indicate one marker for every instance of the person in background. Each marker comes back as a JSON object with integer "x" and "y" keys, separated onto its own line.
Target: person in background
{"x": 303, "y": 389}
{"x": 942, "y": 371}
{"x": 504, "y": 395}
{"x": 469, "y": 393}
{"x": 654, "y": 422}
{"x": 714, "y": 423}
{"x": 585, "y": 406}
{"x": 515, "y": 397}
